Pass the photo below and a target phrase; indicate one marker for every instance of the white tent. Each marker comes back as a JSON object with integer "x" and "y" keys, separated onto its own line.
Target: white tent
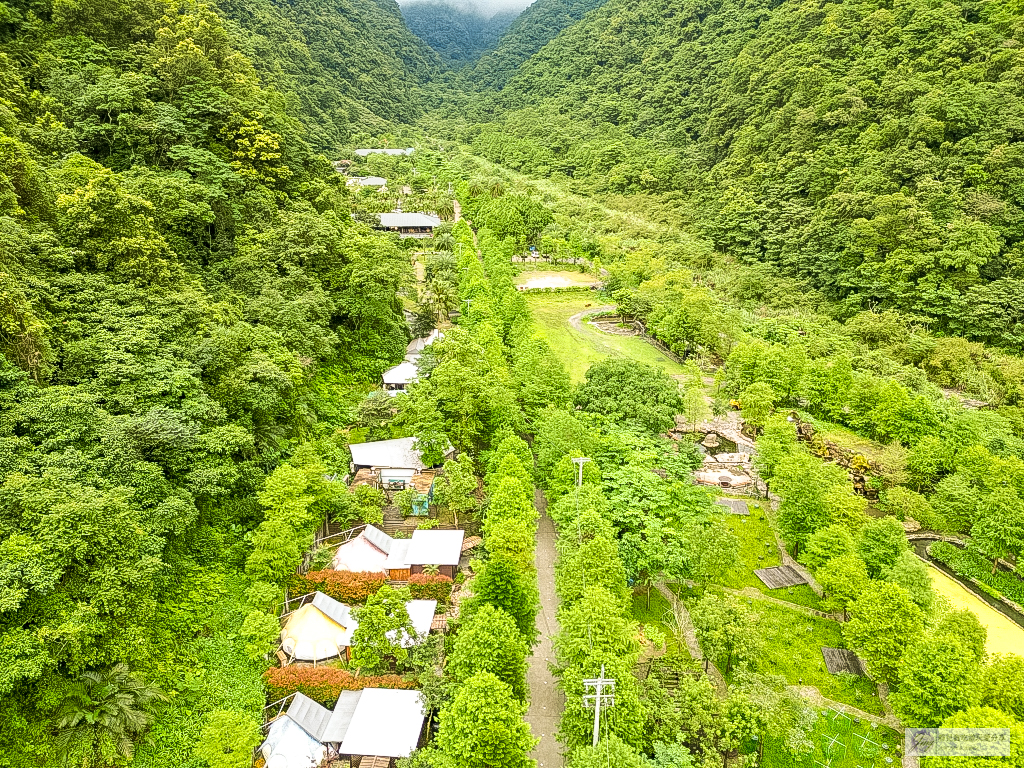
{"x": 361, "y": 554}
{"x": 385, "y": 723}
{"x": 289, "y": 746}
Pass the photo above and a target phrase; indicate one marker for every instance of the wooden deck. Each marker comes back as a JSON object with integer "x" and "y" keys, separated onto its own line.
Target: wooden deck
{"x": 735, "y": 506}
{"x": 780, "y": 576}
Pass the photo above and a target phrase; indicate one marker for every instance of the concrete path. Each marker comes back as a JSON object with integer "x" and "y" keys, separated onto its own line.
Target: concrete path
{"x": 546, "y": 700}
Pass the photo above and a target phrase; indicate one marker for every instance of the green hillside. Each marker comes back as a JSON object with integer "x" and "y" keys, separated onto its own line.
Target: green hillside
{"x": 346, "y": 66}
{"x": 874, "y": 150}
{"x": 458, "y": 35}
{"x": 537, "y": 25}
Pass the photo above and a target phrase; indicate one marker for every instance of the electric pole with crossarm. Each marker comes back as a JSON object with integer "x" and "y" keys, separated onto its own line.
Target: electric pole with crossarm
{"x": 600, "y": 697}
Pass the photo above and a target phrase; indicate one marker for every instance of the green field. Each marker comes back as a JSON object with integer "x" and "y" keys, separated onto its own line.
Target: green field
{"x": 841, "y": 743}
{"x": 578, "y": 349}
{"x": 758, "y": 550}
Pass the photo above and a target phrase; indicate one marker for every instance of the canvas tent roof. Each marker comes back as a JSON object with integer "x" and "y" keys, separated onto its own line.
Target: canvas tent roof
{"x": 341, "y": 717}
{"x": 435, "y": 547}
{"x": 400, "y": 452}
{"x": 311, "y": 716}
{"x": 378, "y": 538}
{"x": 362, "y": 554}
{"x": 385, "y": 722}
{"x": 408, "y": 219}
{"x": 403, "y": 373}
{"x": 311, "y": 635}
{"x": 421, "y": 614}
{"x": 416, "y": 346}
{"x": 288, "y": 745}
{"x": 332, "y": 609}
{"x": 368, "y": 181}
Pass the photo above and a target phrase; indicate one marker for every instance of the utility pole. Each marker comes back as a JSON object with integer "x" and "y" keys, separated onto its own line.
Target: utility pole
{"x": 599, "y": 697}
{"x": 579, "y": 481}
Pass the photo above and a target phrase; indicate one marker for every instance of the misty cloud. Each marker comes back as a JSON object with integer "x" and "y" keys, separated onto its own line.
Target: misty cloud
{"x": 485, "y": 8}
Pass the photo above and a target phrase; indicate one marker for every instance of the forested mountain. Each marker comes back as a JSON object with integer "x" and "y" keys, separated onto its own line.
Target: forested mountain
{"x": 346, "y": 66}
{"x": 178, "y": 275}
{"x": 459, "y": 35}
{"x": 534, "y": 27}
{"x": 873, "y": 148}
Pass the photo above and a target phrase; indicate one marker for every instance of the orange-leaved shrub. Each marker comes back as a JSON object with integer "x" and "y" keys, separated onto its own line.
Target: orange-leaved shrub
{"x": 324, "y": 684}
{"x": 343, "y": 586}
{"x": 426, "y": 586}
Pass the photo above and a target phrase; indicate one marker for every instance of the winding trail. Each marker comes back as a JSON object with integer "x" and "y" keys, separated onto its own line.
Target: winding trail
{"x": 546, "y": 700}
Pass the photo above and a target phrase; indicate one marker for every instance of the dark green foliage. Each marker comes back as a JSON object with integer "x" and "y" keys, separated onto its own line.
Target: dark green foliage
{"x": 459, "y": 35}
{"x": 869, "y": 149}
{"x": 970, "y": 565}
{"x": 631, "y": 393}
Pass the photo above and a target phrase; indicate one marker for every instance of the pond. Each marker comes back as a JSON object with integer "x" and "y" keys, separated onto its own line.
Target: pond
{"x": 1003, "y": 635}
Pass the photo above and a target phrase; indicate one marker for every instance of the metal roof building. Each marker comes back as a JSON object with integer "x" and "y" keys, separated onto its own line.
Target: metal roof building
{"x": 435, "y": 547}
{"x": 394, "y": 152}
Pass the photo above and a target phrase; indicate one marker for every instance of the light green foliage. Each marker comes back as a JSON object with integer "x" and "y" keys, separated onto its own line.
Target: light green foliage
{"x": 383, "y": 624}
{"x": 938, "y": 676}
{"x": 404, "y": 500}
{"x": 610, "y": 751}
{"x": 260, "y": 631}
{"x": 963, "y": 626}
{"x": 999, "y": 529}
{"x": 843, "y": 579}
{"x": 880, "y": 543}
{"x": 489, "y": 641}
{"x": 228, "y": 739}
{"x": 726, "y": 629}
{"x": 884, "y": 621}
{"x": 757, "y": 401}
{"x": 455, "y": 489}
{"x": 710, "y": 552}
{"x": 911, "y": 573}
{"x": 1002, "y": 685}
{"x": 594, "y": 628}
{"x": 631, "y": 393}
{"x": 826, "y": 544}
{"x": 505, "y": 586}
{"x": 982, "y": 717}
{"x": 483, "y": 726}
{"x": 369, "y": 504}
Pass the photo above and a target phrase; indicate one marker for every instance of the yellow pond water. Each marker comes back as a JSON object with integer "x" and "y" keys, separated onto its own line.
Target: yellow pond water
{"x": 1003, "y": 635}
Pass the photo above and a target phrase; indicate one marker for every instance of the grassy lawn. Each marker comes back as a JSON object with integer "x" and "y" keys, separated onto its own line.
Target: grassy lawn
{"x": 758, "y": 550}
{"x": 792, "y": 648}
{"x": 579, "y": 349}
{"x": 655, "y": 616}
{"x": 853, "y": 748}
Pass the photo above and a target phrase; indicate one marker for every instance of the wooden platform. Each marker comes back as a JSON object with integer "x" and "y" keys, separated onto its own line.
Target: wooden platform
{"x": 780, "y": 576}
{"x": 842, "y": 660}
{"x": 735, "y": 506}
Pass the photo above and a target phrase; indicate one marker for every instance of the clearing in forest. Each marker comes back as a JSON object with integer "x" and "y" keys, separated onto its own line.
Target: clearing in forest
{"x": 579, "y": 345}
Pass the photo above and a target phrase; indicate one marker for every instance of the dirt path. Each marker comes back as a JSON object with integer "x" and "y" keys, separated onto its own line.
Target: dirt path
{"x": 576, "y": 321}
{"x": 546, "y": 701}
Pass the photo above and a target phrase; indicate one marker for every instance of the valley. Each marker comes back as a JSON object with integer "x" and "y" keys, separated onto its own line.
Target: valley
{"x": 444, "y": 386}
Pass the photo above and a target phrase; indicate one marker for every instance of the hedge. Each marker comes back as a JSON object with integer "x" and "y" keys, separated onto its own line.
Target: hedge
{"x": 344, "y": 586}
{"x": 968, "y": 564}
{"x": 324, "y": 684}
{"x": 425, "y": 586}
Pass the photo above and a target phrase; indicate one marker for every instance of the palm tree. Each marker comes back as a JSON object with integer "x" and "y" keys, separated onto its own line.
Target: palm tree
{"x": 102, "y": 716}
{"x": 476, "y": 188}
{"x": 446, "y": 208}
{"x": 444, "y": 242}
{"x": 497, "y": 189}
{"x": 441, "y": 297}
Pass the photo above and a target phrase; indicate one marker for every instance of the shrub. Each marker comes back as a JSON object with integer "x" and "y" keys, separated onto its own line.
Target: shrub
{"x": 343, "y": 586}
{"x": 425, "y": 586}
{"x": 971, "y": 565}
{"x": 324, "y": 684}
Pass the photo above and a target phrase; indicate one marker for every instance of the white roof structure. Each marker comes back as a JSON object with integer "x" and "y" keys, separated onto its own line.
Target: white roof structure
{"x": 360, "y": 555}
{"x": 385, "y": 723}
{"x": 403, "y": 373}
{"x": 400, "y": 453}
{"x": 392, "y": 152}
{"x": 398, "y": 556}
{"x": 435, "y": 547}
{"x": 421, "y": 614}
{"x": 401, "y": 219}
{"x": 289, "y": 745}
{"x": 366, "y": 181}
{"x": 416, "y": 346}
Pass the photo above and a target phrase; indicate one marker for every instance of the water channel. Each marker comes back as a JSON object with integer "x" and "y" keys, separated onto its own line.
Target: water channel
{"x": 1004, "y": 636}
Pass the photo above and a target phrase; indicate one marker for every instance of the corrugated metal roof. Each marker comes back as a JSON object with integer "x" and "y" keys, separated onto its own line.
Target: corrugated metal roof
{"x": 385, "y": 151}
{"x": 332, "y": 609}
{"x": 341, "y": 717}
{"x": 309, "y": 715}
{"x": 411, "y": 219}
{"x": 378, "y": 538}
{"x": 435, "y": 547}
{"x": 397, "y": 558}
